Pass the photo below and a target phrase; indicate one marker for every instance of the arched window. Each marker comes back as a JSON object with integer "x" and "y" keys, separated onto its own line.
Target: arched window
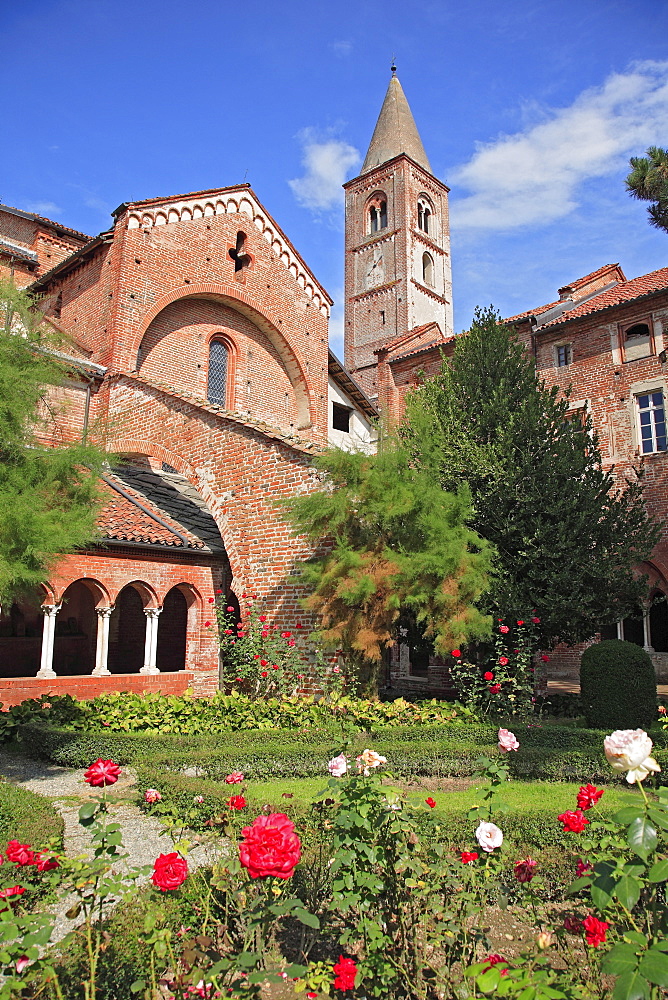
{"x": 427, "y": 269}
{"x": 216, "y": 391}
{"x": 424, "y": 216}
{"x": 377, "y": 214}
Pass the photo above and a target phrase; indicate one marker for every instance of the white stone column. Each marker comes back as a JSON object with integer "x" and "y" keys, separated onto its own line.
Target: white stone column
{"x": 48, "y": 634}
{"x": 620, "y": 628}
{"x": 102, "y": 647}
{"x": 151, "y": 645}
{"x": 647, "y": 636}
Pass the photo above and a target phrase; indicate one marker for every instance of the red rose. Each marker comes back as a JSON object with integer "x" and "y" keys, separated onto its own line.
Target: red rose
{"x": 262, "y": 618}
{"x": 536, "y": 621}
{"x": 264, "y": 673}
{"x": 169, "y": 871}
{"x": 595, "y": 930}
{"x": 229, "y": 631}
{"x": 583, "y": 868}
{"x": 237, "y": 802}
{"x": 573, "y": 925}
{"x": 19, "y": 854}
{"x": 264, "y": 634}
{"x": 207, "y": 624}
{"x": 504, "y": 661}
{"x": 271, "y": 847}
{"x": 16, "y": 890}
{"x": 492, "y": 960}
{"x": 102, "y": 773}
{"x": 520, "y": 622}
{"x": 211, "y": 600}
{"x": 574, "y": 821}
{"x": 456, "y": 653}
{"x": 299, "y": 625}
{"x": 525, "y": 870}
{"x": 488, "y": 675}
{"x": 504, "y": 629}
{"x": 495, "y": 688}
{"x": 430, "y": 802}
{"x": 263, "y": 663}
{"x": 345, "y": 971}
{"x": 469, "y": 856}
{"x": 44, "y": 862}
{"x": 545, "y": 659}
{"x": 588, "y": 796}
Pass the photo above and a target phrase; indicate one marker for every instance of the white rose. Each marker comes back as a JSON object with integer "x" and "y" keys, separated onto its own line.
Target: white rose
{"x": 338, "y": 766}
{"x": 629, "y": 750}
{"x": 489, "y": 836}
{"x": 369, "y": 758}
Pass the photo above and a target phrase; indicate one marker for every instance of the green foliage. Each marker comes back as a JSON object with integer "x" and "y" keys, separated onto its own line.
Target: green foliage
{"x": 394, "y": 539}
{"x": 186, "y": 716}
{"x": 618, "y": 686}
{"x": 648, "y": 181}
{"x": 261, "y": 662}
{"x": 28, "y": 817}
{"x": 566, "y": 539}
{"x": 48, "y": 496}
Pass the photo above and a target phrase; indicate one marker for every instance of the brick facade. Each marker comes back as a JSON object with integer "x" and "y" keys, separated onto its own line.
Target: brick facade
{"x": 141, "y": 306}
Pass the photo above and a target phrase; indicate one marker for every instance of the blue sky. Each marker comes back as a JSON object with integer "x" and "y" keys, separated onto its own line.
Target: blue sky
{"x": 528, "y": 111}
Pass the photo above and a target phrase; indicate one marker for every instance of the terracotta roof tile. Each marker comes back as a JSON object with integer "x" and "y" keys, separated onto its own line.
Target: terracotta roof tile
{"x": 531, "y": 312}
{"x": 625, "y": 291}
{"x": 588, "y": 278}
{"x": 124, "y": 520}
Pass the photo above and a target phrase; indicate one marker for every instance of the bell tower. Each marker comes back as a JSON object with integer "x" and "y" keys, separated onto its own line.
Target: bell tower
{"x": 397, "y": 244}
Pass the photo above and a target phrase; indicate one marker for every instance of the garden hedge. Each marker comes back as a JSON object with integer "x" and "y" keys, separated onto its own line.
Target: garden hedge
{"x": 618, "y": 686}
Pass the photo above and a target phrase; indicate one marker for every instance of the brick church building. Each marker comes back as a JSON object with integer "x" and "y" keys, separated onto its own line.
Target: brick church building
{"x": 198, "y": 351}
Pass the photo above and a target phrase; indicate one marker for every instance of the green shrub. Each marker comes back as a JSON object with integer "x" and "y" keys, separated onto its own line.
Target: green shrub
{"x": 618, "y": 686}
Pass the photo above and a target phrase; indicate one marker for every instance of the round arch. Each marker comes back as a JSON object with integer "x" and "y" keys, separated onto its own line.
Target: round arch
{"x": 98, "y": 591}
{"x": 147, "y": 594}
{"x": 242, "y": 303}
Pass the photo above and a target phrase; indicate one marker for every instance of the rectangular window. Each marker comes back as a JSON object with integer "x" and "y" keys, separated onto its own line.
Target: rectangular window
{"x": 637, "y": 339}
{"x": 340, "y": 418}
{"x": 564, "y": 355}
{"x": 652, "y": 420}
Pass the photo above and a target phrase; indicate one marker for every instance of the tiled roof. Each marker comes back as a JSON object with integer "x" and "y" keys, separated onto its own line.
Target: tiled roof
{"x": 588, "y": 278}
{"x": 151, "y": 508}
{"x": 42, "y": 218}
{"x": 531, "y": 312}
{"x": 423, "y": 347}
{"x": 16, "y": 250}
{"x": 625, "y": 291}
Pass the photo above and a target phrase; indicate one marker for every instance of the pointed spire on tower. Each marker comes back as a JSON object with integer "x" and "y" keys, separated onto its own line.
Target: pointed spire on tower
{"x": 395, "y": 131}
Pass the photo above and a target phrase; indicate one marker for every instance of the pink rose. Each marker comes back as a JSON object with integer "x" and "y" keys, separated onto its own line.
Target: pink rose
{"x": 152, "y": 795}
{"x": 235, "y": 778}
{"x": 507, "y": 740}
{"x": 338, "y": 766}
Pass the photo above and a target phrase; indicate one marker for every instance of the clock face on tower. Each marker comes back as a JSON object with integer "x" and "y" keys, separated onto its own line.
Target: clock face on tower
{"x": 374, "y": 270}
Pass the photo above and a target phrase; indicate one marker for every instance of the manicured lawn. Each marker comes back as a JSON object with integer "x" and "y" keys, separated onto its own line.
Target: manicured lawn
{"x": 298, "y": 793}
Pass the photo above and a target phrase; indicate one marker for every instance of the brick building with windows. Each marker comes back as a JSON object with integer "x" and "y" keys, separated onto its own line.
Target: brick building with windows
{"x": 199, "y": 354}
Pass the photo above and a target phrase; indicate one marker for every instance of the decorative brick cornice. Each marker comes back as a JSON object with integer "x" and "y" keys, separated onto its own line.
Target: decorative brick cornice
{"x": 429, "y": 291}
{"x": 372, "y": 241}
{"x": 375, "y": 291}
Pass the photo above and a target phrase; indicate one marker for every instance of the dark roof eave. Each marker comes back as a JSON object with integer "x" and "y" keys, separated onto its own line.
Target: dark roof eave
{"x": 44, "y": 221}
{"x": 343, "y": 377}
{"x": 159, "y": 547}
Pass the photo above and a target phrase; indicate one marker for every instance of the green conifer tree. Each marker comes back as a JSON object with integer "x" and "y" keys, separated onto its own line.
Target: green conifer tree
{"x": 48, "y": 496}
{"x": 566, "y": 538}
{"x": 648, "y": 181}
{"x": 392, "y": 538}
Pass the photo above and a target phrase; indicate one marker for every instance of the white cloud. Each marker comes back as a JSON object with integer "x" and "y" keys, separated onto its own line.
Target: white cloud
{"x": 47, "y": 208}
{"x": 326, "y": 163}
{"x": 533, "y": 176}
{"x": 342, "y": 49}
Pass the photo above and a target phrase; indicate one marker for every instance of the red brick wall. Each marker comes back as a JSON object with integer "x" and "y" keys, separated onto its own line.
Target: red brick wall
{"x": 90, "y": 687}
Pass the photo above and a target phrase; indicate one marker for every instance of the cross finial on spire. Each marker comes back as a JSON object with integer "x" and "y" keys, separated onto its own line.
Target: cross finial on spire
{"x": 393, "y": 67}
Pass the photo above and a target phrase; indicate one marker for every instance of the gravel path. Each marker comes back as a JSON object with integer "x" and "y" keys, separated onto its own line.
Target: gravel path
{"x": 143, "y": 839}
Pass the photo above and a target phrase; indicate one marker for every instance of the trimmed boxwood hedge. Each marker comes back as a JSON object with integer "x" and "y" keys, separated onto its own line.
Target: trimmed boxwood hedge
{"x": 547, "y": 753}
